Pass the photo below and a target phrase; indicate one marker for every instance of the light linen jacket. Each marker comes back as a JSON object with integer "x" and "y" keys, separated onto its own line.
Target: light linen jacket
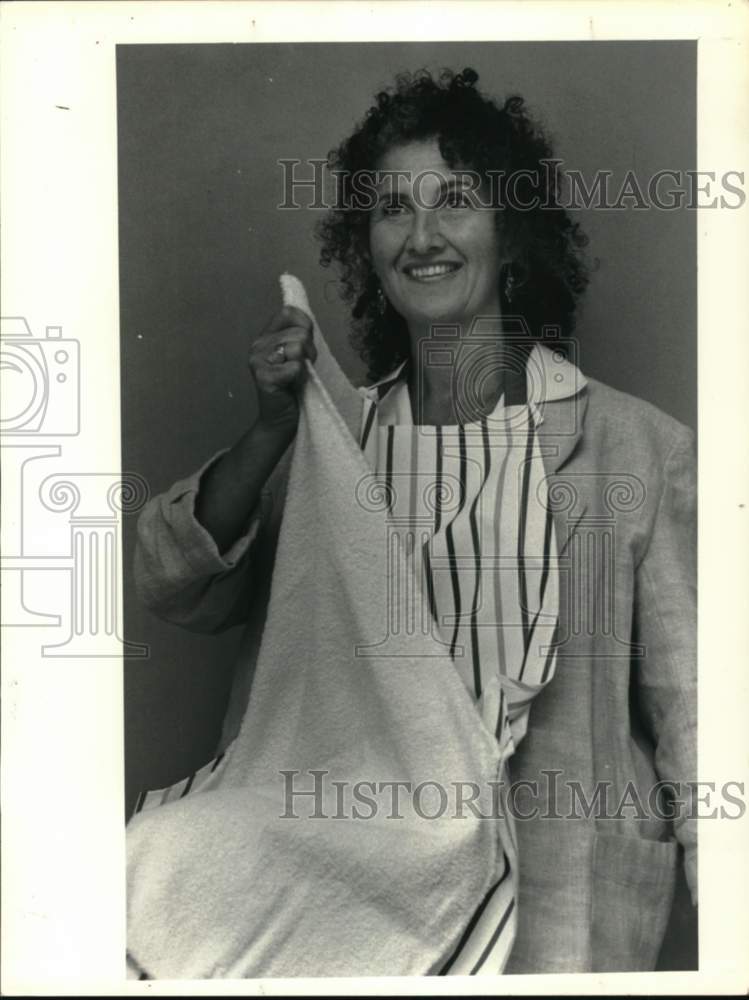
{"x": 597, "y": 874}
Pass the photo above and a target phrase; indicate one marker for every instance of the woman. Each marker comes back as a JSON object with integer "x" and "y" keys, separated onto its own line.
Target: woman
{"x": 550, "y": 520}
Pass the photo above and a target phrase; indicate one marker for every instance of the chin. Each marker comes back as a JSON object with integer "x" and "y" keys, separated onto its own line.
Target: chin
{"x": 436, "y": 314}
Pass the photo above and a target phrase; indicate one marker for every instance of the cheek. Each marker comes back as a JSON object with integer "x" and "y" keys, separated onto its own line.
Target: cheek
{"x": 490, "y": 262}
{"x": 477, "y": 237}
{"x": 381, "y": 248}
{"x": 487, "y": 240}
{"x": 482, "y": 232}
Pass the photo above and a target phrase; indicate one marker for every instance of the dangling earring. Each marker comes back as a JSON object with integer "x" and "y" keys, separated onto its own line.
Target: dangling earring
{"x": 381, "y": 301}
{"x": 509, "y": 284}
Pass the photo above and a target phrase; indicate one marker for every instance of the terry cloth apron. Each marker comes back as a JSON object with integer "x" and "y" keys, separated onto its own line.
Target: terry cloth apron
{"x": 357, "y": 826}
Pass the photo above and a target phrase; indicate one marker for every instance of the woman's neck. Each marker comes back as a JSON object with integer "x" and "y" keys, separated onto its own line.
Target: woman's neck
{"x": 457, "y": 374}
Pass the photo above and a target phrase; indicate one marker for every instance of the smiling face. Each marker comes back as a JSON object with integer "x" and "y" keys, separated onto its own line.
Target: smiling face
{"x": 435, "y": 264}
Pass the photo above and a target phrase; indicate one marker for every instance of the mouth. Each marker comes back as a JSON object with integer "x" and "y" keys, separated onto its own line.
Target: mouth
{"x": 430, "y": 272}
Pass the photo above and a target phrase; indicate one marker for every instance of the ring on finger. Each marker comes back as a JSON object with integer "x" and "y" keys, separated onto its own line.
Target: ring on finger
{"x": 280, "y": 352}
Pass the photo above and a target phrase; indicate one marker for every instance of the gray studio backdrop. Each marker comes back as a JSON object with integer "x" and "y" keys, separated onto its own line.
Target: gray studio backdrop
{"x": 201, "y": 129}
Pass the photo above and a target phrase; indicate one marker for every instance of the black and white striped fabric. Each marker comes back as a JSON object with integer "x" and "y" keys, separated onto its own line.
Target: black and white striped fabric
{"x": 160, "y": 796}
{"x": 470, "y": 519}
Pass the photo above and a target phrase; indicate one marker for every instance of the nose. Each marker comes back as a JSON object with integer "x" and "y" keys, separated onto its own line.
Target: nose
{"x": 425, "y": 236}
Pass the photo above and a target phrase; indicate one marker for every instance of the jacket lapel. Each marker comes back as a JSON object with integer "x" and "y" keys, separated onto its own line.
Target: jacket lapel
{"x": 559, "y": 435}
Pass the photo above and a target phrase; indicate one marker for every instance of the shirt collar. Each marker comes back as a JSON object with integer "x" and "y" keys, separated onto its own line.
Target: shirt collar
{"x": 550, "y": 376}
{"x": 377, "y": 390}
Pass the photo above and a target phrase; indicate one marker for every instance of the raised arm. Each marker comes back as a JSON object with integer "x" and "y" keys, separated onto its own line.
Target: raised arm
{"x": 202, "y": 543}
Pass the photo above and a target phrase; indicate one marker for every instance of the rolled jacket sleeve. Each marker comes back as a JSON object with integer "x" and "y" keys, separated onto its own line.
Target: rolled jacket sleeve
{"x": 180, "y": 573}
{"x": 666, "y": 611}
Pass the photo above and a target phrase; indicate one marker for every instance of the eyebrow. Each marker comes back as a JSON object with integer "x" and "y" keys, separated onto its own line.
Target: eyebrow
{"x": 385, "y": 179}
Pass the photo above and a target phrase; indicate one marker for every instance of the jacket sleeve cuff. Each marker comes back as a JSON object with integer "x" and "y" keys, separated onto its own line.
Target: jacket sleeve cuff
{"x": 198, "y": 545}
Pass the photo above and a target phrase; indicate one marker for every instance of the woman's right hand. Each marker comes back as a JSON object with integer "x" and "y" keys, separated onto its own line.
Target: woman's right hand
{"x": 231, "y": 487}
{"x": 279, "y": 375}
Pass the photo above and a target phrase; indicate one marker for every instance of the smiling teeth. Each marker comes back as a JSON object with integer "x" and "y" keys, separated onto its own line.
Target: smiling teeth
{"x": 431, "y": 271}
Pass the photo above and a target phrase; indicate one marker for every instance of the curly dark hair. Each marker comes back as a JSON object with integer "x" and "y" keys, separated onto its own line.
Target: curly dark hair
{"x": 473, "y": 132}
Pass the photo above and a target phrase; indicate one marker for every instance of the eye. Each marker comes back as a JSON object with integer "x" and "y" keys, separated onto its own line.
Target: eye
{"x": 458, "y": 199}
{"x": 392, "y": 207}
